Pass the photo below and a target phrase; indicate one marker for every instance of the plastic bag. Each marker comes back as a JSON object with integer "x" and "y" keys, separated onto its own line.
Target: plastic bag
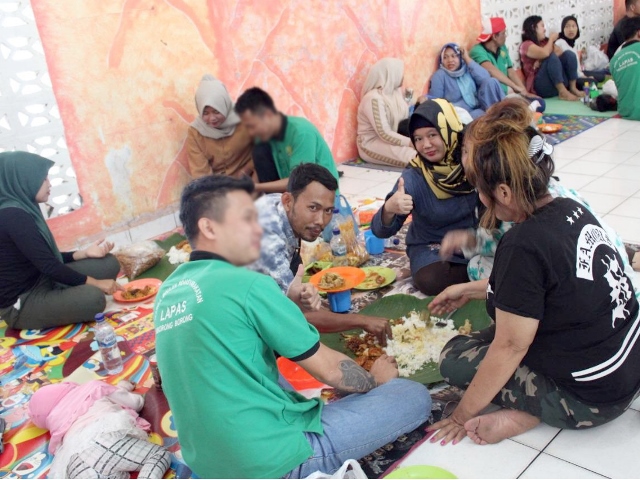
{"x": 595, "y": 59}
{"x": 139, "y": 257}
{"x": 609, "y": 88}
{"x": 344, "y": 472}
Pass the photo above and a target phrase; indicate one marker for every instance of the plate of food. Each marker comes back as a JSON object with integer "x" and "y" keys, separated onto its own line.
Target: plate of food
{"x": 418, "y": 336}
{"x": 337, "y": 279}
{"x": 138, "y": 290}
{"x": 314, "y": 268}
{"x": 549, "y": 127}
{"x": 376, "y": 277}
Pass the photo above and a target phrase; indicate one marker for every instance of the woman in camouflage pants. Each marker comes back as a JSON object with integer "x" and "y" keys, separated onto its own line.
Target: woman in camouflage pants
{"x": 563, "y": 348}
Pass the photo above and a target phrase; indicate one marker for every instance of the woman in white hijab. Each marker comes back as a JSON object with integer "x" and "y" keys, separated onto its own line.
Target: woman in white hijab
{"x": 217, "y": 142}
{"x": 382, "y": 107}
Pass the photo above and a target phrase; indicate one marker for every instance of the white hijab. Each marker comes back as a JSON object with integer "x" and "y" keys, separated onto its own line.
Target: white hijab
{"x": 212, "y": 93}
{"x": 386, "y": 76}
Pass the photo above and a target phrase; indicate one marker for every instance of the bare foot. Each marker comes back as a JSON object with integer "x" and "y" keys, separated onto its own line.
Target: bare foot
{"x": 500, "y": 425}
{"x": 567, "y": 95}
{"x": 578, "y": 93}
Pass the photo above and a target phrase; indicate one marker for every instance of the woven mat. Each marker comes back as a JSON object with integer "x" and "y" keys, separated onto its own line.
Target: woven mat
{"x": 555, "y": 106}
{"x": 572, "y": 125}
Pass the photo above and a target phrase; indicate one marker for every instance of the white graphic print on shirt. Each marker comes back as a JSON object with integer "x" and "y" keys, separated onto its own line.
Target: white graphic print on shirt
{"x": 591, "y": 237}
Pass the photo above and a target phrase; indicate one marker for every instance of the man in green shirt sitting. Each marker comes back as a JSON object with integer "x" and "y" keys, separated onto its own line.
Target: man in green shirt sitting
{"x": 625, "y": 69}
{"x": 285, "y": 141}
{"x": 218, "y": 328}
{"x": 492, "y": 54}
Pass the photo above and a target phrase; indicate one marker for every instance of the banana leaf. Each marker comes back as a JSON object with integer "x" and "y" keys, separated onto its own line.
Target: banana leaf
{"x": 397, "y": 306}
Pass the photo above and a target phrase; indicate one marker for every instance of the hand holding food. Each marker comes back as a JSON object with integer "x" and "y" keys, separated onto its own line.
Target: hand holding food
{"x": 379, "y": 327}
{"x": 451, "y": 298}
{"x": 384, "y": 369}
{"x": 454, "y": 241}
{"x": 400, "y": 203}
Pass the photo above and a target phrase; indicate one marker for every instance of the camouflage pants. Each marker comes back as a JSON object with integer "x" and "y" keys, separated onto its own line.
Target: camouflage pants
{"x": 526, "y": 390}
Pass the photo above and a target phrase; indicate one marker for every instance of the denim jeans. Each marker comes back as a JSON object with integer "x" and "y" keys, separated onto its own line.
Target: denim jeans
{"x": 555, "y": 70}
{"x": 361, "y": 423}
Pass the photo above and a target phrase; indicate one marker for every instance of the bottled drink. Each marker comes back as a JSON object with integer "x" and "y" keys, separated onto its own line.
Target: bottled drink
{"x": 338, "y": 249}
{"x": 594, "y": 92}
{"x": 587, "y": 92}
{"x": 108, "y": 345}
{"x": 391, "y": 242}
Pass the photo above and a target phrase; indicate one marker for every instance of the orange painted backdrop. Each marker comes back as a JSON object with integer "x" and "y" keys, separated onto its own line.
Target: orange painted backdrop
{"x": 124, "y": 73}
{"x": 618, "y": 10}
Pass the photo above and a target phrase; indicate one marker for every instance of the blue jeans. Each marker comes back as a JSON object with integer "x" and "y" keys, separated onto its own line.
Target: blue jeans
{"x": 361, "y": 423}
{"x": 555, "y": 70}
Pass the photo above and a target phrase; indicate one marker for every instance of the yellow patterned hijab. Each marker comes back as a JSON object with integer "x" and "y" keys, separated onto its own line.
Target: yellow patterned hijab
{"x": 446, "y": 178}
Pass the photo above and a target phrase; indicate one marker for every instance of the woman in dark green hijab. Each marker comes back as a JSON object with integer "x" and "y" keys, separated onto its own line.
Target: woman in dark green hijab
{"x": 41, "y": 287}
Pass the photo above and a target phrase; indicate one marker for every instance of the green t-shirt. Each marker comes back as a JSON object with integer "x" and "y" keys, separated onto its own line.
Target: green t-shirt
{"x": 502, "y": 61}
{"x": 625, "y": 69}
{"x": 302, "y": 143}
{"x": 217, "y": 328}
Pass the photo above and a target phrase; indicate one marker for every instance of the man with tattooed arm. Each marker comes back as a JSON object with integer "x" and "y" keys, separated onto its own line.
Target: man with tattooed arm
{"x": 218, "y": 328}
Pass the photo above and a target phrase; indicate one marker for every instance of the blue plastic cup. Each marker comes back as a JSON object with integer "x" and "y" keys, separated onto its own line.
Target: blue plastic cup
{"x": 374, "y": 245}
{"x": 340, "y": 302}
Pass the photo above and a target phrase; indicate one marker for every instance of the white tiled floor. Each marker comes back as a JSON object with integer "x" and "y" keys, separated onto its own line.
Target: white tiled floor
{"x": 603, "y": 164}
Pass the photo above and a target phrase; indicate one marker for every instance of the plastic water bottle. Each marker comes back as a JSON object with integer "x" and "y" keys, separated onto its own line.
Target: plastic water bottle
{"x": 587, "y": 92}
{"x": 391, "y": 242}
{"x": 108, "y": 345}
{"x": 338, "y": 249}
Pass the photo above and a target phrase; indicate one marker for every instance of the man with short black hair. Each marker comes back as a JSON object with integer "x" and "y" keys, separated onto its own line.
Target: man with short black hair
{"x": 285, "y": 141}
{"x": 302, "y": 213}
{"x": 625, "y": 69}
{"x": 617, "y": 37}
{"x": 217, "y": 328}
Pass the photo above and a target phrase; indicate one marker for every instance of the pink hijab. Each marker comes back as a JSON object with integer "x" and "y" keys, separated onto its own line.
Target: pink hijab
{"x": 56, "y": 407}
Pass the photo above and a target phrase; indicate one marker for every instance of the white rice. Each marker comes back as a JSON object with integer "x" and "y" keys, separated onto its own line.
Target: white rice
{"x": 177, "y": 256}
{"x": 415, "y": 343}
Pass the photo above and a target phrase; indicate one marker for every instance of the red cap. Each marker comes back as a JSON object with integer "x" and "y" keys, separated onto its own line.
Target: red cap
{"x": 491, "y": 26}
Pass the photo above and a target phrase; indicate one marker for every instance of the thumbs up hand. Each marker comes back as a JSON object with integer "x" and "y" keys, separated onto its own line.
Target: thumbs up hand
{"x": 304, "y": 295}
{"x": 400, "y": 203}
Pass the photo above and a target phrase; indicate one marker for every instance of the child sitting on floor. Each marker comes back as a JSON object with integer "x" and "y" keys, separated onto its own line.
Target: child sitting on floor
{"x": 96, "y": 431}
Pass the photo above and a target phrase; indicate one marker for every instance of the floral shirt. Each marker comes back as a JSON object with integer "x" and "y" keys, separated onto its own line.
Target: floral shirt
{"x": 279, "y": 244}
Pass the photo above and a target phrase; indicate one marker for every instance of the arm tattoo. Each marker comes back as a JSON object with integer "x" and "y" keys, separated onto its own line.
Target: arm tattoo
{"x": 355, "y": 379}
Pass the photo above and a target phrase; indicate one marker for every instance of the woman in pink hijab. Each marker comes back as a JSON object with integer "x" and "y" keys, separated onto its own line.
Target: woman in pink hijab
{"x": 96, "y": 431}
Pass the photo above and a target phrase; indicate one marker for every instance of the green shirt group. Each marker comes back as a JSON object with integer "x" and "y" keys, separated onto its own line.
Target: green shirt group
{"x": 301, "y": 142}
{"x": 501, "y": 59}
{"x": 625, "y": 69}
{"x": 217, "y": 328}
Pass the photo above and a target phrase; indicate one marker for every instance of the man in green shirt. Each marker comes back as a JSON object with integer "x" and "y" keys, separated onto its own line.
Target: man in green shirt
{"x": 285, "y": 141}
{"x": 218, "y": 327}
{"x": 625, "y": 69}
{"x": 492, "y": 54}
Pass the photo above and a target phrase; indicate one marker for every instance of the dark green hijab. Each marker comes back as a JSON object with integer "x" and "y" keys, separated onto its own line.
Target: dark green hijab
{"x": 21, "y": 176}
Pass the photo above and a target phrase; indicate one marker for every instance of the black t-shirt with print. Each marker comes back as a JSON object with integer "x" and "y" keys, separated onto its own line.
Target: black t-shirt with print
{"x": 562, "y": 269}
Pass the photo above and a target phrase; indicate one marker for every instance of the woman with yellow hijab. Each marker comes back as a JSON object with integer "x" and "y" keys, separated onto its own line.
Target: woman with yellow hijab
{"x": 435, "y": 192}
{"x": 382, "y": 107}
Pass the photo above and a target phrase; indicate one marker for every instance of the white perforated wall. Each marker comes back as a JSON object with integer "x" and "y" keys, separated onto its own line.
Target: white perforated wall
{"x": 595, "y": 18}
{"x": 29, "y": 117}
